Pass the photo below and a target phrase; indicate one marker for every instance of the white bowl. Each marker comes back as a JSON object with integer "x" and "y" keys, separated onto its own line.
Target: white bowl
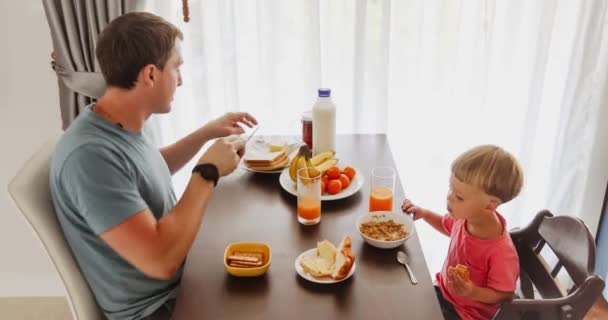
{"x": 399, "y": 217}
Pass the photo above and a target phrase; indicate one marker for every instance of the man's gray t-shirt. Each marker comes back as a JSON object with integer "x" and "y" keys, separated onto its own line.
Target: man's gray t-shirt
{"x": 101, "y": 175}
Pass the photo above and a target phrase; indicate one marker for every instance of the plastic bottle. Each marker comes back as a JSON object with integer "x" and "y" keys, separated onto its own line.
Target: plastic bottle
{"x": 324, "y": 123}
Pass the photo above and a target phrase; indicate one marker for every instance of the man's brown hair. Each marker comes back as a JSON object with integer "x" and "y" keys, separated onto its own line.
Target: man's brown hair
{"x": 131, "y": 42}
{"x": 491, "y": 169}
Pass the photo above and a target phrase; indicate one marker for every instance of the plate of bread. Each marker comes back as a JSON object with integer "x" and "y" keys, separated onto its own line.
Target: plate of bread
{"x": 267, "y": 162}
{"x": 263, "y": 157}
{"x": 327, "y": 264}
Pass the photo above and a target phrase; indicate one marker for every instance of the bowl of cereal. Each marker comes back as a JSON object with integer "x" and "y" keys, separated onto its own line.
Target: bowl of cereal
{"x": 385, "y": 229}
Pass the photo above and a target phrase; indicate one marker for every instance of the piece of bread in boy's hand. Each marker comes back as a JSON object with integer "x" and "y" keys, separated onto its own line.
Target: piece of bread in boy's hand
{"x": 461, "y": 270}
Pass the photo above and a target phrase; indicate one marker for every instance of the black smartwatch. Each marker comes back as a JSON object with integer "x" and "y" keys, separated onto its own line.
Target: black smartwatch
{"x": 208, "y": 171}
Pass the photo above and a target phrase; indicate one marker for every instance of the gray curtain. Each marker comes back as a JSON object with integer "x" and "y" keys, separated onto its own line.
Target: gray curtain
{"x": 601, "y": 239}
{"x": 75, "y": 26}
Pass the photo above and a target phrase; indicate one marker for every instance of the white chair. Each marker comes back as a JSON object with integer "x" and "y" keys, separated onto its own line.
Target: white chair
{"x": 30, "y": 191}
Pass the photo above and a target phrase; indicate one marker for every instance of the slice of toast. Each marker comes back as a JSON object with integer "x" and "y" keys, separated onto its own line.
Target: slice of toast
{"x": 316, "y": 266}
{"x": 462, "y": 270}
{"x": 321, "y": 265}
{"x": 345, "y": 259}
{"x": 257, "y": 255}
{"x": 263, "y": 158}
{"x": 244, "y": 264}
{"x": 282, "y": 163}
{"x": 327, "y": 251}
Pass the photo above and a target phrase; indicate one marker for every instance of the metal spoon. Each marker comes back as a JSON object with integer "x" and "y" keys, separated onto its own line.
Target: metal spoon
{"x": 402, "y": 258}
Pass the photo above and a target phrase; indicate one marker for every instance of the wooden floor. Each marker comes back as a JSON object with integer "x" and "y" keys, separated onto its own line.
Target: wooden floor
{"x": 35, "y": 308}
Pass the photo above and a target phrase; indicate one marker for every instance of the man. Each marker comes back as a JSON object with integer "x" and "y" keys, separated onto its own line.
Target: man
{"x": 112, "y": 189}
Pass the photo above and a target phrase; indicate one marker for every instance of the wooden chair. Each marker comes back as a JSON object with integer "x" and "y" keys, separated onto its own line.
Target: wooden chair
{"x": 574, "y": 247}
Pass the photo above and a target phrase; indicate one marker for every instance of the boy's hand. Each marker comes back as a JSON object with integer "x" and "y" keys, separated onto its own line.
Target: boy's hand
{"x": 409, "y": 207}
{"x": 462, "y": 287}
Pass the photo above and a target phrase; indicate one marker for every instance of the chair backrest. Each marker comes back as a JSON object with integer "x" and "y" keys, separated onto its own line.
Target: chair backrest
{"x": 30, "y": 191}
{"x": 574, "y": 249}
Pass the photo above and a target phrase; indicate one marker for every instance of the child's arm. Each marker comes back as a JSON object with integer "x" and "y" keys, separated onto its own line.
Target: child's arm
{"x": 466, "y": 288}
{"x": 489, "y": 295}
{"x": 432, "y": 218}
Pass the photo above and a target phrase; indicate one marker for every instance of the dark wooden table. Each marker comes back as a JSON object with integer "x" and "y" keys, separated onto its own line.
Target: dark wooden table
{"x": 253, "y": 207}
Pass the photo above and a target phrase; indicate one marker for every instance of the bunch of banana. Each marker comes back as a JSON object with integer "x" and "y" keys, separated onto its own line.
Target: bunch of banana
{"x": 302, "y": 160}
{"x": 324, "y": 160}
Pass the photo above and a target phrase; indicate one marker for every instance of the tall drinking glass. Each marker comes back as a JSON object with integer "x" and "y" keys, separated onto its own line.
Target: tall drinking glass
{"x": 382, "y": 189}
{"x": 309, "y": 196}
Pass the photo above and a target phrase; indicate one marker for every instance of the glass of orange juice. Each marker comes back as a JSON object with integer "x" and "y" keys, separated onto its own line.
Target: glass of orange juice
{"x": 382, "y": 189}
{"x": 309, "y": 196}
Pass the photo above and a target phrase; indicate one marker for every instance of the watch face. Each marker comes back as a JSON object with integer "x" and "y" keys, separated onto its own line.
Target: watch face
{"x": 209, "y": 171}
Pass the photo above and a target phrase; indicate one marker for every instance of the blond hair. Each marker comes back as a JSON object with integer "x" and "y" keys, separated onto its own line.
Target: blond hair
{"x": 491, "y": 169}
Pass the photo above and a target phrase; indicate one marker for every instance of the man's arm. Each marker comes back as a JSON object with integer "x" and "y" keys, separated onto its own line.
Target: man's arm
{"x": 179, "y": 153}
{"x": 158, "y": 248}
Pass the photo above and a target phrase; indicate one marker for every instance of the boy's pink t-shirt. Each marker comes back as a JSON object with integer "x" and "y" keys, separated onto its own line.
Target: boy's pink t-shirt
{"x": 492, "y": 264}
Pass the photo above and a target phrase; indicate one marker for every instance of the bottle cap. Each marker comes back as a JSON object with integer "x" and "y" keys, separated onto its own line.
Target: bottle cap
{"x": 324, "y": 92}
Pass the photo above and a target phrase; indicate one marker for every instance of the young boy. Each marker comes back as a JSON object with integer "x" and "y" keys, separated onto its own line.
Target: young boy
{"x": 482, "y": 179}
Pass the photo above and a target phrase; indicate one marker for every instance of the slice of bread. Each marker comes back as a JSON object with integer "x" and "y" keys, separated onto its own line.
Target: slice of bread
{"x": 281, "y": 163}
{"x": 256, "y": 157}
{"x": 277, "y": 146}
{"x": 462, "y": 270}
{"x": 327, "y": 251}
{"x": 345, "y": 259}
{"x": 316, "y": 266}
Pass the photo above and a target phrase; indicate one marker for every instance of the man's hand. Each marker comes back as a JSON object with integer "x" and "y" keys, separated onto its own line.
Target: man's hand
{"x": 230, "y": 124}
{"x": 409, "y": 207}
{"x": 225, "y": 155}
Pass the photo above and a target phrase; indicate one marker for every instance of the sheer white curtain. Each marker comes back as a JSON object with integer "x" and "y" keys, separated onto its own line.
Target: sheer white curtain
{"x": 526, "y": 75}
{"x": 270, "y": 57}
{"x": 437, "y": 76}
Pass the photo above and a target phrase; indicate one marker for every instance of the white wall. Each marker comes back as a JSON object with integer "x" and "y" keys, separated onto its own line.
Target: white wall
{"x": 29, "y": 112}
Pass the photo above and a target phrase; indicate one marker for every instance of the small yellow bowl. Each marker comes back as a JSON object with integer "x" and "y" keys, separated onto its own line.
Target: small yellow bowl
{"x": 248, "y": 247}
